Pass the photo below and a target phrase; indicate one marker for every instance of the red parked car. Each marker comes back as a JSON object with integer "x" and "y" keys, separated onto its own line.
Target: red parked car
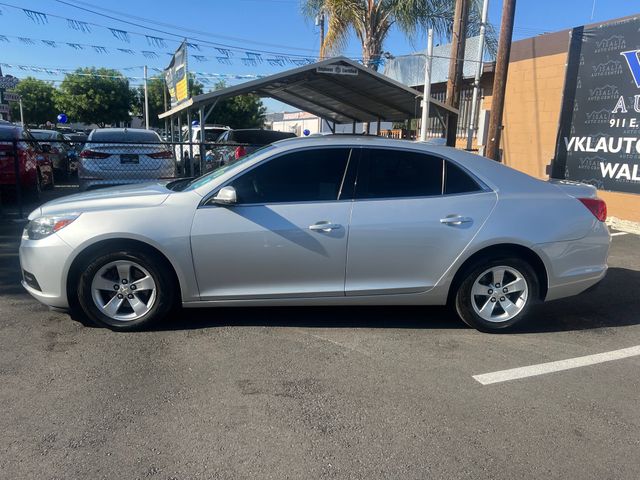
{"x": 36, "y": 169}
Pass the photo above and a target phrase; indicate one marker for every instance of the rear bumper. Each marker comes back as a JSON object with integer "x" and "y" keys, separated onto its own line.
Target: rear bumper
{"x": 576, "y": 265}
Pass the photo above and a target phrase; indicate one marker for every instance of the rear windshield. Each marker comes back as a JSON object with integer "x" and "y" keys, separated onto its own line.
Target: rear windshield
{"x": 7, "y": 134}
{"x": 125, "y": 136}
{"x": 259, "y": 137}
{"x": 44, "y": 135}
{"x": 212, "y": 134}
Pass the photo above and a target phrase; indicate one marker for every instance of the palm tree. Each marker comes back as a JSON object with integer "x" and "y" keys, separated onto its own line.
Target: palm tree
{"x": 372, "y": 20}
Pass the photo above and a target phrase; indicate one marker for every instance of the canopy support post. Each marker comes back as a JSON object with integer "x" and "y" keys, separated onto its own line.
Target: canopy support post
{"x": 190, "y": 131}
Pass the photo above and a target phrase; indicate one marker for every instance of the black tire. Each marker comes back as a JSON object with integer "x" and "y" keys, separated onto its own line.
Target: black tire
{"x": 165, "y": 294}
{"x": 32, "y": 194}
{"x": 52, "y": 182}
{"x": 464, "y": 298}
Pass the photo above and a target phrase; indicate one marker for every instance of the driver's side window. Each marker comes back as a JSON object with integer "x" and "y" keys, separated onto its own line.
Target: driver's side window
{"x": 303, "y": 176}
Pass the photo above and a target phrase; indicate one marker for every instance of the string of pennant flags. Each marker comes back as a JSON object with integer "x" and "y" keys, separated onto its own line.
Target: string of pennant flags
{"x": 204, "y": 77}
{"x": 219, "y": 52}
{"x": 221, "y": 55}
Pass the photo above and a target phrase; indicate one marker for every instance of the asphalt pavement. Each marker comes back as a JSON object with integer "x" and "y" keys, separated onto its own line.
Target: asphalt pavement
{"x": 305, "y": 393}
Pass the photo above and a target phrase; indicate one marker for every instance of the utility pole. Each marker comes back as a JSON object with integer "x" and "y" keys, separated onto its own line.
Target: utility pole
{"x": 500, "y": 80}
{"x": 476, "y": 82}
{"x": 426, "y": 95}
{"x": 320, "y": 23}
{"x": 164, "y": 98}
{"x": 146, "y": 101}
{"x": 454, "y": 82}
{"x": 21, "y": 113}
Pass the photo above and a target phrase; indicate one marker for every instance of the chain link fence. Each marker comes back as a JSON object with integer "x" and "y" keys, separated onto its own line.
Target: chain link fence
{"x": 29, "y": 168}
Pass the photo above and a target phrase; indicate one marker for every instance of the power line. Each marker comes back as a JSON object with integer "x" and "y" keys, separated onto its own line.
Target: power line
{"x": 178, "y": 38}
{"x": 186, "y": 29}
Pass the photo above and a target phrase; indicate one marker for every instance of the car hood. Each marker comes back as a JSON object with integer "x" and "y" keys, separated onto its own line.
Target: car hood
{"x": 113, "y": 198}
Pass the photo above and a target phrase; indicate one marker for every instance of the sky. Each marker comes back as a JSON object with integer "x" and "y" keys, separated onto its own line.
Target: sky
{"x": 276, "y": 29}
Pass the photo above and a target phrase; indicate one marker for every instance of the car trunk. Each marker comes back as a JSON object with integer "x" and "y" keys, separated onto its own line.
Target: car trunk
{"x": 575, "y": 189}
{"x": 124, "y": 157}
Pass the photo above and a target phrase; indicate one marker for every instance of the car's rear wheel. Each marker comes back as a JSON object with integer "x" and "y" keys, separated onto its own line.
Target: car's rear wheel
{"x": 126, "y": 290}
{"x": 497, "y": 293}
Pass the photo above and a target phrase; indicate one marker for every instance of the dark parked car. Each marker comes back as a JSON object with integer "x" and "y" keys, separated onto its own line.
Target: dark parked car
{"x": 234, "y": 144}
{"x": 59, "y": 151}
{"x": 35, "y": 169}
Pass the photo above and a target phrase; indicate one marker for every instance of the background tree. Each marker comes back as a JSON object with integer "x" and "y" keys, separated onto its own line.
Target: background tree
{"x": 244, "y": 111}
{"x": 38, "y": 103}
{"x": 371, "y": 20}
{"x": 101, "y": 96}
{"x": 155, "y": 90}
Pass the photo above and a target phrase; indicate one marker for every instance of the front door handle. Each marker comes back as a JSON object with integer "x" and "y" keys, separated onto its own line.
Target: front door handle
{"x": 455, "y": 220}
{"x": 324, "y": 226}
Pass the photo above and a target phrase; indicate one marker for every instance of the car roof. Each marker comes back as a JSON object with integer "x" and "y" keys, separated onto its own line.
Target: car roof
{"x": 110, "y": 129}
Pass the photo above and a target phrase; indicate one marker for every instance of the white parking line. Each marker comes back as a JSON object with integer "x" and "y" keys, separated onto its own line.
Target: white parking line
{"x": 550, "y": 367}
{"x": 617, "y": 234}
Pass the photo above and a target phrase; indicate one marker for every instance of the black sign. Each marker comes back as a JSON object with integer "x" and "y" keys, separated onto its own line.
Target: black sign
{"x": 598, "y": 139}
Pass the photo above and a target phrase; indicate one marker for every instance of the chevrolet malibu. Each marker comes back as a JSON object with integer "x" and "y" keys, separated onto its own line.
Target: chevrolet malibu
{"x": 337, "y": 220}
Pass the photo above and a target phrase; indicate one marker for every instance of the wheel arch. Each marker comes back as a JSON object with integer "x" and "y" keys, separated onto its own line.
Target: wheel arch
{"x": 501, "y": 250}
{"x": 75, "y": 269}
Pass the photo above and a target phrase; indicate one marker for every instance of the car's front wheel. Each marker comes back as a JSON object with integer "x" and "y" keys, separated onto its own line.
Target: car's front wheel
{"x": 126, "y": 290}
{"x": 497, "y": 293}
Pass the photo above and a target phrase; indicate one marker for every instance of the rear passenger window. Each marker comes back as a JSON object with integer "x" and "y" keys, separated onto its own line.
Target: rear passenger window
{"x": 386, "y": 173}
{"x": 457, "y": 180}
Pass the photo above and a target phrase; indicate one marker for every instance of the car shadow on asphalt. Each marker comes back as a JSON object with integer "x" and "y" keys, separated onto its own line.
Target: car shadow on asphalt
{"x": 613, "y": 303}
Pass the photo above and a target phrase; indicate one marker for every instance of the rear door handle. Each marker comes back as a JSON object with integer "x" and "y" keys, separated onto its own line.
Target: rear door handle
{"x": 455, "y": 220}
{"x": 324, "y": 226}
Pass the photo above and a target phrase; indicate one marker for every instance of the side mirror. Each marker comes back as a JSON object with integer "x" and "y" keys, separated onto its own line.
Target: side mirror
{"x": 226, "y": 196}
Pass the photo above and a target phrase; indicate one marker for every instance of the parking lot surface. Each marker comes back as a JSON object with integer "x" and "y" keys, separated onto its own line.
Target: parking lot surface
{"x": 298, "y": 393}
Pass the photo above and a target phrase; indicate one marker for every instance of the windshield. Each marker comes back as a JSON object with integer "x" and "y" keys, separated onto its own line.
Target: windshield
{"x": 43, "y": 135}
{"x": 117, "y": 135}
{"x": 208, "y": 177}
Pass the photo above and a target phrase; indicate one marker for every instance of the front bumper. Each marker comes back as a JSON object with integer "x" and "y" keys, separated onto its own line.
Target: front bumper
{"x": 47, "y": 261}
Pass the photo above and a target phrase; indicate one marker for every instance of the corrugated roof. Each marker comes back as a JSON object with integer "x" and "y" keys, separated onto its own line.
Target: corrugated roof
{"x": 356, "y": 94}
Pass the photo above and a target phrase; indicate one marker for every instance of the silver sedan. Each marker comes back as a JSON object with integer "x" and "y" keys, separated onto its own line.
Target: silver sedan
{"x": 334, "y": 220}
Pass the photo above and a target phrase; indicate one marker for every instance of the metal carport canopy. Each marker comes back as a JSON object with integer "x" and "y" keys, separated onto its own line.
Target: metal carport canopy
{"x": 337, "y": 89}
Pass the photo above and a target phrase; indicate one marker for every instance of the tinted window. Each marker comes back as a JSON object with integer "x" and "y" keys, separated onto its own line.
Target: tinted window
{"x": 457, "y": 180}
{"x": 7, "y": 134}
{"x": 396, "y": 173}
{"x": 259, "y": 137}
{"x": 211, "y": 134}
{"x": 44, "y": 135}
{"x": 308, "y": 175}
{"x": 125, "y": 136}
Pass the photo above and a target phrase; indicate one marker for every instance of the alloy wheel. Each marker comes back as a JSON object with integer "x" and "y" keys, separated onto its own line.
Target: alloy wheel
{"x": 499, "y": 294}
{"x": 123, "y": 290}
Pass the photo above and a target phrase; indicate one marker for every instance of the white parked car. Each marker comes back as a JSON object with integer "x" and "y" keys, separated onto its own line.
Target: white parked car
{"x": 117, "y": 156}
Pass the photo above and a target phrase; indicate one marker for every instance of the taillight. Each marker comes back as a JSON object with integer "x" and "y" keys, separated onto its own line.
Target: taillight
{"x": 596, "y": 206}
{"x": 240, "y": 152}
{"x": 93, "y": 154}
{"x": 161, "y": 155}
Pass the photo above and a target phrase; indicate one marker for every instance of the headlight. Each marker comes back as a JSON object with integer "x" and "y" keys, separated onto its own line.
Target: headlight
{"x": 44, "y": 226}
